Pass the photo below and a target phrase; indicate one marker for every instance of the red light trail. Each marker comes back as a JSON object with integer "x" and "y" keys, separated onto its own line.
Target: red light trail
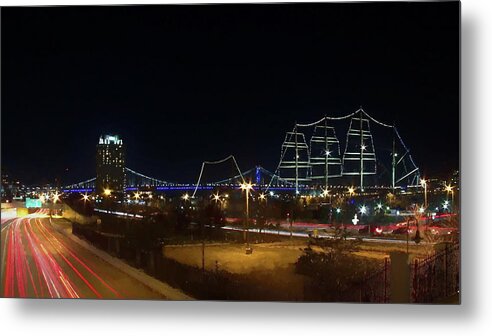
{"x": 38, "y": 262}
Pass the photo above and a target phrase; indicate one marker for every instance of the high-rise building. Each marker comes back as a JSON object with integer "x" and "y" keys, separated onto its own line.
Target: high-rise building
{"x": 110, "y": 165}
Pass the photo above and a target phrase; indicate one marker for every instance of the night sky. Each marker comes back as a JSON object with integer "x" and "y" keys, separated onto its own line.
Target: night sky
{"x": 183, "y": 84}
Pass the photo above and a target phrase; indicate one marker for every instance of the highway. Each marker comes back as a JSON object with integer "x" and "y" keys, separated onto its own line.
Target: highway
{"x": 37, "y": 261}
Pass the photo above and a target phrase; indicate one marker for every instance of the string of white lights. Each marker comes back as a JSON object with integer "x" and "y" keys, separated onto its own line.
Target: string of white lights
{"x": 404, "y": 146}
{"x": 376, "y": 121}
{"x": 282, "y": 154}
{"x": 213, "y": 163}
{"x": 327, "y": 118}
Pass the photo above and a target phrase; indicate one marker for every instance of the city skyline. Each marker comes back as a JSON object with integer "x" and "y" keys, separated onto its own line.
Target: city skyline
{"x": 182, "y": 90}
{"x": 267, "y": 152}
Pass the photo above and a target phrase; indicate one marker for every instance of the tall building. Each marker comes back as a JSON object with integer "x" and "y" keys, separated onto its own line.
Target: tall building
{"x": 110, "y": 165}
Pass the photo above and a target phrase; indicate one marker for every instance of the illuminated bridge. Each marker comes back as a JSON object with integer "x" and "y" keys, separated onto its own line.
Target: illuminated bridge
{"x": 312, "y": 157}
{"x": 258, "y": 175}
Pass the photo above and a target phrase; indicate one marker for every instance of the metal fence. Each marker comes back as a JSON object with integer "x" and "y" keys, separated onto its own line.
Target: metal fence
{"x": 375, "y": 288}
{"x": 437, "y": 277}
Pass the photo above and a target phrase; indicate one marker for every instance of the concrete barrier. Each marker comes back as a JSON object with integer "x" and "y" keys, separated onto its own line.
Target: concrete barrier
{"x": 21, "y": 212}
{"x": 74, "y": 216}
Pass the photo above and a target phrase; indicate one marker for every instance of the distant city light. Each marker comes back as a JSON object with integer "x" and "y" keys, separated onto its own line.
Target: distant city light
{"x": 363, "y": 209}
{"x": 339, "y": 210}
{"x": 185, "y": 197}
{"x": 262, "y": 196}
{"x": 107, "y": 192}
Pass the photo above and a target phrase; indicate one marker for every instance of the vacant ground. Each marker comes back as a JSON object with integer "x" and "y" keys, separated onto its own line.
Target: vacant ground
{"x": 269, "y": 256}
{"x": 232, "y": 257}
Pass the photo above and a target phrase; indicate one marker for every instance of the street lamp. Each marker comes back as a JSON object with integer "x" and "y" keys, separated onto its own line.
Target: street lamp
{"x": 379, "y": 206}
{"x": 363, "y": 209}
{"x": 246, "y": 187}
{"x": 56, "y": 198}
{"x": 351, "y": 191}
{"x": 423, "y": 183}
{"x": 449, "y": 189}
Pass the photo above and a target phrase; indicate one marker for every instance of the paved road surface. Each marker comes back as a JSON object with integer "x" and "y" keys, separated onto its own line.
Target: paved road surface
{"x": 37, "y": 261}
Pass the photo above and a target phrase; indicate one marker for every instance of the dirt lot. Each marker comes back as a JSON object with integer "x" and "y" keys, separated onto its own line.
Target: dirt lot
{"x": 268, "y": 256}
{"x": 232, "y": 257}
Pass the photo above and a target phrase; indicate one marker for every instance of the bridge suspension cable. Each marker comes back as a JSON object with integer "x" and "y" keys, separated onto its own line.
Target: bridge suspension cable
{"x": 160, "y": 182}
{"x": 79, "y": 184}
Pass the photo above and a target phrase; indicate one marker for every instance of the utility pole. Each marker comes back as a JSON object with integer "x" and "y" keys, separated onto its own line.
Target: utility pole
{"x": 203, "y": 246}
{"x": 326, "y": 155}
{"x": 393, "y": 163}
{"x": 361, "y": 154}
{"x": 296, "y": 160}
{"x": 247, "y": 217}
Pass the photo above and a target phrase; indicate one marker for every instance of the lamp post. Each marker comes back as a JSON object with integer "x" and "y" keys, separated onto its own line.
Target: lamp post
{"x": 449, "y": 189}
{"x": 216, "y": 198}
{"x": 363, "y": 211}
{"x": 262, "y": 198}
{"x": 247, "y": 187}
{"x": 56, "y": 198}
{"x": 85, "y": 198}
{"x": 423, "y": 183}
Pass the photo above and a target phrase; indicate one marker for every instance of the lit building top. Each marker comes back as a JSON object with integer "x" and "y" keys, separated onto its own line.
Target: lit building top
{"x": 110, "y": 140}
